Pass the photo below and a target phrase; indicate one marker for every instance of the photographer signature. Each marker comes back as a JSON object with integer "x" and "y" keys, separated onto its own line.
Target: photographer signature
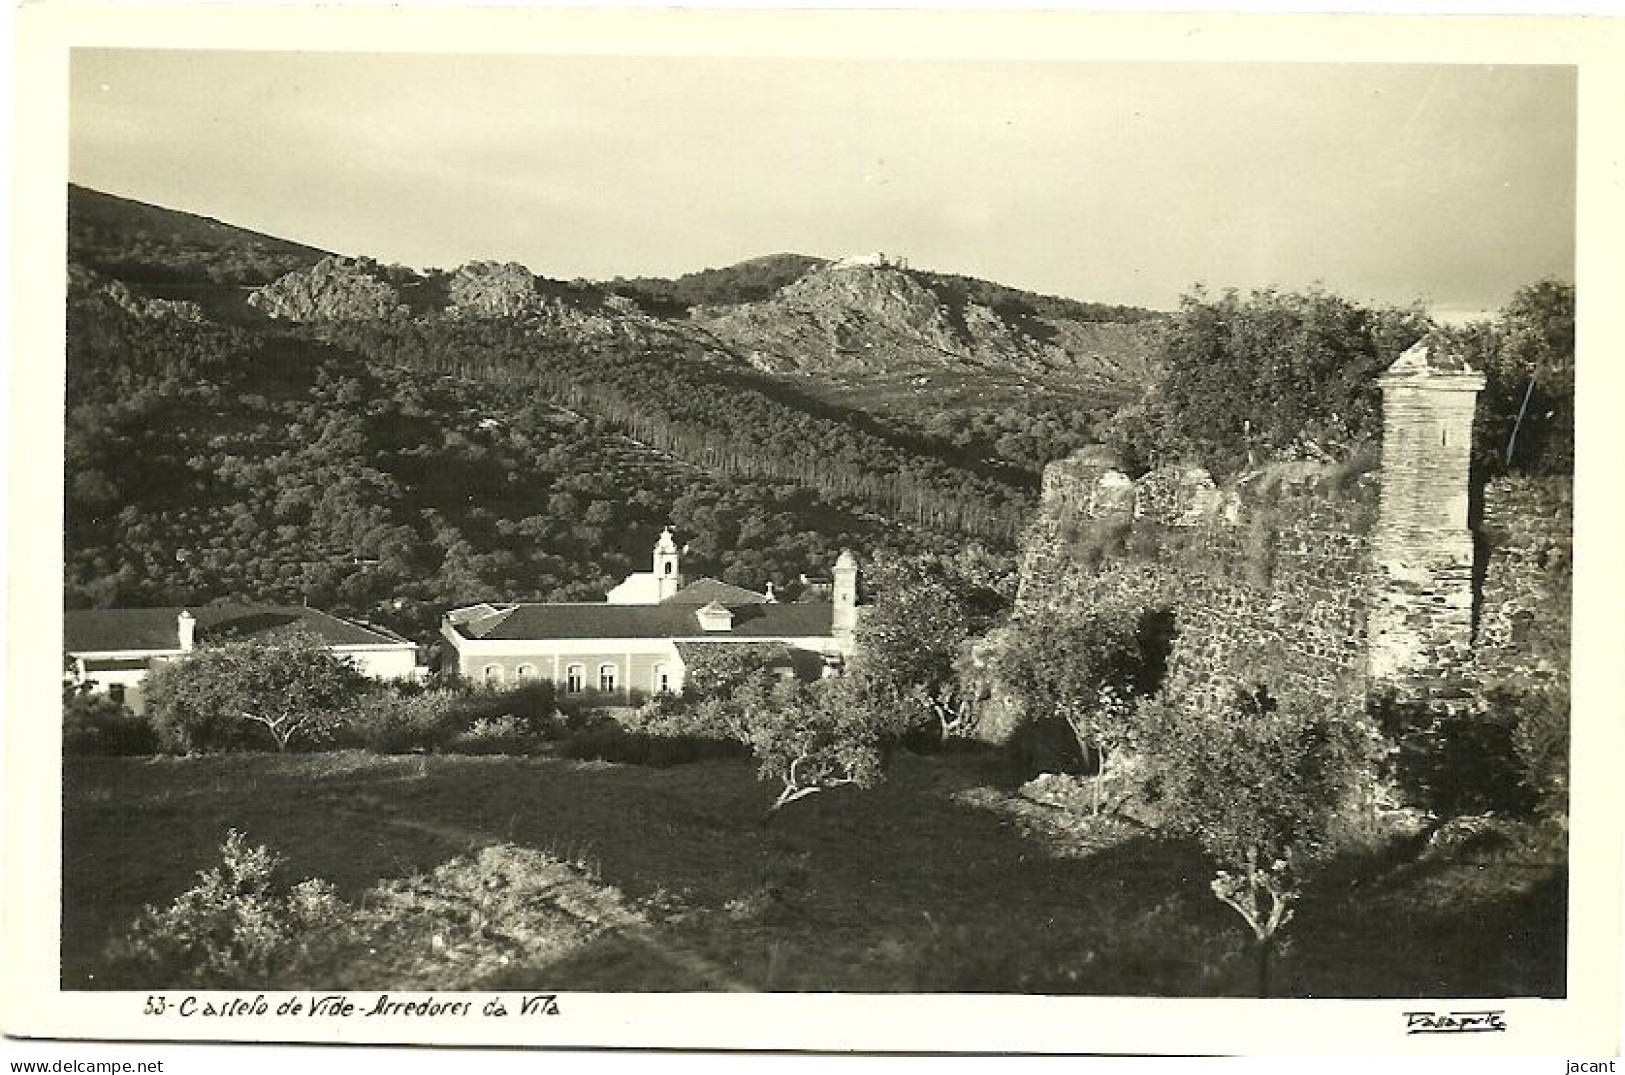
{"x": 1471, "y": 1022}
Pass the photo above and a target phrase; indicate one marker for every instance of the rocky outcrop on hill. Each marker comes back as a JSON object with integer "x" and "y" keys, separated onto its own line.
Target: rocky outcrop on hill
{"x": 86, "y": 284}
{"x": 492, "y": 289}
{"x": 334, "y": 289}
{"x": 849, "y": 318}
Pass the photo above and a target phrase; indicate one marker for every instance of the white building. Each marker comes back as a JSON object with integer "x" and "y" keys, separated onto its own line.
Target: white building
{"x": 640, "y": 641}
{"x": 114, "y": 648}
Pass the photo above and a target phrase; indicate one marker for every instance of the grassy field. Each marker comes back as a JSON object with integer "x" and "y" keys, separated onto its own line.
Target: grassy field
{"x": 515, "y": 873}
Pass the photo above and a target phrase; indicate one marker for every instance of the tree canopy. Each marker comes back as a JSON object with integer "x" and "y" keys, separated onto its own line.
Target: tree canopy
{"x": 1242, "y": 379}
{"x": 1525, "y": 418}
{"x": 249, "y": 693}
{"x": 912, "y": 635}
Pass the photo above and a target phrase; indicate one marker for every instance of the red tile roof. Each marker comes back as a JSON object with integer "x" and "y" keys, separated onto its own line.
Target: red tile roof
{"x": 558, "y": 621}
{"x": 705, "y": 591}
{"x": 154, "y": 629}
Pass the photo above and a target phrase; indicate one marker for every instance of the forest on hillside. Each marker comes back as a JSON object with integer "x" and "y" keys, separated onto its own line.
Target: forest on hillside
{"x": 386, "y": 443}
{"x": 388, "y": 472}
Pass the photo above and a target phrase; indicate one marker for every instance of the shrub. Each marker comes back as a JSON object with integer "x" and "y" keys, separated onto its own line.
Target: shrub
{"x": 1084, "y": 669}
{"x": 814, "y": 737}
{"x": 1453, "y": 763}
{"x": 95, "y": 724}
{"x": 251, "y": 694}
{"x": 717, "y": 671}
{"x": 1247, "y": 379}
{"x": 1541, "y": 738}
{"x": 390, "y": 722}
{"x": 1258, "y": 784}
{"x": 397, "y": 719}
{"x": 236, "y": 928}
{"x": 506, "y": 734}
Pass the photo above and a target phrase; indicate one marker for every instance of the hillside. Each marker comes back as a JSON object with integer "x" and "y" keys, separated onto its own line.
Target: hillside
{"x": 881, "y": 319}
{"x": 259, "y": 420}
{"x": 752, "y": 280}
{"x": 147, "y": 244}
{"x": 915, "y": 345}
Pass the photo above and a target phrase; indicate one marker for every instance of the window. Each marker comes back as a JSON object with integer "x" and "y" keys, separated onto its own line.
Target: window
{"x": 525, "y": 672}
{"x": 493, "y": 675}
{"x": 606, "y": 678}
{"x": 669, "y": 567}
{"x": 574, "y": 679}
{"x": 115, "y": 691}
{"x": 662, "y": 679}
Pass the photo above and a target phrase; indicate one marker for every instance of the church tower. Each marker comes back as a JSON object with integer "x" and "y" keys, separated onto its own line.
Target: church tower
{"x": 844, "y": 617}
{"x": 668, "y": 568}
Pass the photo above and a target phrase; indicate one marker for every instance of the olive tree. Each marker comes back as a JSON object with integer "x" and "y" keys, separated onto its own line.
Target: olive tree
{"x": 1082, "y": 669}
{"x": 1257, "y": 782}
{"x": 911, "y": 642}
{"x": 235, "y": 695}
{"x": 813, "y": 737}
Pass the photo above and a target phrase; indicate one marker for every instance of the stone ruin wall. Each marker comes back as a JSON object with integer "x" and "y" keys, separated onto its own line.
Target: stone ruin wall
{"x": 1526, "y": 586}
{"x": 1284, "y": 568}
{"x": 1277, "y": 576}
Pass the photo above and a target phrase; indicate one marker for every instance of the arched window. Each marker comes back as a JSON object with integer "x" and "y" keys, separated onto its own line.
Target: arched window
{"x": 493, "y": 675}
{"x": 575, "y": 678}
{"x": 525, "y": 672}
{"x": 662, "y": 679}
{"x": 606, "y": 678}
{"x": 670, "y": 567}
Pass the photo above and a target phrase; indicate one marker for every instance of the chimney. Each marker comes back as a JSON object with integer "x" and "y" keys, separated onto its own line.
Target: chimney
{"x": 186, "y": 628}
{"x": 771, "y": 598}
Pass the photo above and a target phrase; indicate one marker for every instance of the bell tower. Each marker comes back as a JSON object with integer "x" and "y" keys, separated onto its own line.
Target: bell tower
{"x": 844, "y": 594}
{"x": 668, "y": 567}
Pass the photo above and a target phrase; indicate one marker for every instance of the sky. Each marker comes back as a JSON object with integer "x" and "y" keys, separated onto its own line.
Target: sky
{"x": 1112, "y": 182}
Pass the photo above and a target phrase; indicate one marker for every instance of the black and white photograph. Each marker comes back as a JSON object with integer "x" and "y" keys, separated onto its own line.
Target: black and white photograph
{"x": 544, "y": 523}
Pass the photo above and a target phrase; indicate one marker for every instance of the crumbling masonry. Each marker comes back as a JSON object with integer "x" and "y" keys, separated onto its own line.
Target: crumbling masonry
{"x": 1389, "y": 580}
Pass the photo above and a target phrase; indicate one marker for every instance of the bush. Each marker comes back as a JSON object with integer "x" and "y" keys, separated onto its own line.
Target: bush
{"x": 1269, "y": 375}
{"x": 1463, "y": 762}
{"x": 814, "y": 737}
{"x": 393, "y": 722}
{"x": 408, "y": 719}
{"x": 664, "y": 732}
{"x": 95, "y": 724}
{"x": 251, "y": 694}
{"x": 1541, "y": 738}
{"x": 506, "y": 734}
{"x": 1259, "y": 784}
{"x": 710, "y": 717}
{"x": 1085, "y": 669}
{"x": 236, "y": 928}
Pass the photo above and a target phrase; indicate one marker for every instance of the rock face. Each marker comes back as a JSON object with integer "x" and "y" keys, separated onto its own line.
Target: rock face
{"x": 83, "y": 283}
{"x": 334, "y": 289}
{"x": 493, "y": 289}
{"x": 847, "y": 318}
